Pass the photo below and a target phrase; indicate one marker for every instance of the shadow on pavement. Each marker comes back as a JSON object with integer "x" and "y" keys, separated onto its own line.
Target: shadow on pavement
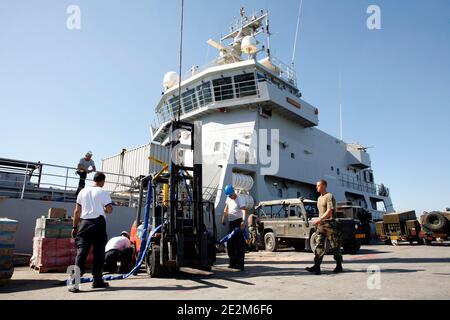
{"x": 28, "y": 285}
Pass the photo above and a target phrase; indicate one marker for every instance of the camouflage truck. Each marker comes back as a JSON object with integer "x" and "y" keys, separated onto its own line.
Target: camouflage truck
{"x": 399, "y": 226}
{"x": 435, "y": 226}
{"x": 288, "y": 223}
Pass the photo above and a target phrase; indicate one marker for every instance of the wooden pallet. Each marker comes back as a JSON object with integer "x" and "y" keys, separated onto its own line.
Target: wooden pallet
{"x": 43, "y": 269}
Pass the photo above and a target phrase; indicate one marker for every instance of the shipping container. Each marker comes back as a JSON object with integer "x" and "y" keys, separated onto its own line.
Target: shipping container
{"x": 132, "y": 163}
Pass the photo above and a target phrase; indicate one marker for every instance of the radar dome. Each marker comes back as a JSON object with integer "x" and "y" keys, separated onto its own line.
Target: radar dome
{"x": 171, "y": 79}
{"x": 248, "y": 45}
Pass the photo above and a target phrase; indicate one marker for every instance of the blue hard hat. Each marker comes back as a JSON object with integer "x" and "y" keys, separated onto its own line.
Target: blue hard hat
{"x": 229, "y": 190}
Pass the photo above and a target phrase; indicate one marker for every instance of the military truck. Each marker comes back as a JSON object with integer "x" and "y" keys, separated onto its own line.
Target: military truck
{"x": 288, "y": 223}
{"x": 348, "y": 210}
{"x": 399, "y": 226}
{"x": 435, "y": 226}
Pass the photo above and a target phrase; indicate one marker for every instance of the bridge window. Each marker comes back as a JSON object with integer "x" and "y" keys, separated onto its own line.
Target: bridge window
{"x": 245, "y": 85}
{"x": 204, "y": 93}
{"x": 223, "y": 89}
{"x": 174, "y": 105}
{"x": 189, "y": 100}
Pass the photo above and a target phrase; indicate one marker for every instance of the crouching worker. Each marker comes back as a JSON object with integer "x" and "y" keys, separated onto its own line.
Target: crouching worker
{"x": 119, "y": 249}
{"x": 235, "y": 214}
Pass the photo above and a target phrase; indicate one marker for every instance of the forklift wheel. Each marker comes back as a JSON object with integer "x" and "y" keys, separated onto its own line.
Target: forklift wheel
{"x": 152, "y": 262}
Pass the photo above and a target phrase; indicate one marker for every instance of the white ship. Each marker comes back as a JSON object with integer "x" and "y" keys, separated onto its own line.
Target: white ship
{"x": 257, "y": 131}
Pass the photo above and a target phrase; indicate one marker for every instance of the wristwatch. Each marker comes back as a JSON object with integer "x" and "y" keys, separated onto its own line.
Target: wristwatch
{"x": 73, "y": 228}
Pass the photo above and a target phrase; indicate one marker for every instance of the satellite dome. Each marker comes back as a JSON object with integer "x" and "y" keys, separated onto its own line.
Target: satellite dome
{"x": 170, "y": 79}
{"x": 248, "y": 45}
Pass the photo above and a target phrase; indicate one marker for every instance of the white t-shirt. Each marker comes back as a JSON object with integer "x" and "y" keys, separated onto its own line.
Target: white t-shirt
{"x": 119, "y": 243}
{"x": 234, "y": 207}
{"x": 92, "y": 201}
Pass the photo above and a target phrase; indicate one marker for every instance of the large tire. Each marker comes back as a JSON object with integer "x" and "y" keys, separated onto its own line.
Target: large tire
{"x": 152, "y": 262}
{"x": 299, "y": 246}
{"x": 368, "y": 234}
{"x": 308, "y": 244}
{"x": 352, "y": 248}
{"x": 435, "y": 221}
{"x": 270, "y": 242}
{"x": 313, "y": 243}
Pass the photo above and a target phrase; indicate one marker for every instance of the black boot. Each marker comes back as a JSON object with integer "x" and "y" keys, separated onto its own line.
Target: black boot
{"x": 338, "y": 268}
{"x": 314, "y": 269}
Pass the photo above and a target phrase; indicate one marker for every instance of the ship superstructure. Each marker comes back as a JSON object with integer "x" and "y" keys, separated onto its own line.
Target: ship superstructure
{"x": 257, "y": 131}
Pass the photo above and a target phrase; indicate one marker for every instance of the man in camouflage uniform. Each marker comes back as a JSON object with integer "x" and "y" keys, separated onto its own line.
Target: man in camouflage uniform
{"x": 327, "y": 229}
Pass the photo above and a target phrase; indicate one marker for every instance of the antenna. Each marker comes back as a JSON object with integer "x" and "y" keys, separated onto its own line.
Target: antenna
{"x": 181, "y": 60}
{"x": 340, "y": 107}
{"x": 296, "y": 32}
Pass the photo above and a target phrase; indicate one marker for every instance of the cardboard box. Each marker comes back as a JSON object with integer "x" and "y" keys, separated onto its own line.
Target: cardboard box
{"x": 57, "y": 213}
{"x": 53, "y": 228}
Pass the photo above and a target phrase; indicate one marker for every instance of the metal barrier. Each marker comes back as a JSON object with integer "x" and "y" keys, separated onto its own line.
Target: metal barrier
{"x": 43, "y": 181}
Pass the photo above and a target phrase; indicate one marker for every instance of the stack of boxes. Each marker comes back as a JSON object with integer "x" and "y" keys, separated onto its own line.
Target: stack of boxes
{"x": 8, "y": 229}
{"x": 53, "y": 245}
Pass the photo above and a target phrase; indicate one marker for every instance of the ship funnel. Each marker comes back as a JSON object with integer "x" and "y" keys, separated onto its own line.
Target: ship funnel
{"x": 170, "y": 79}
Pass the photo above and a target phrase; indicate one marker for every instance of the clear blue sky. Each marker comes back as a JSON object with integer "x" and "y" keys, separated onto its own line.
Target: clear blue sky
{"x": 64, "y": 92}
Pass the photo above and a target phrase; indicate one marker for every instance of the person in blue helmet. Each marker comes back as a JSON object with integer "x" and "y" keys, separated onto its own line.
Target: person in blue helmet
{"x": 235, "y": 214}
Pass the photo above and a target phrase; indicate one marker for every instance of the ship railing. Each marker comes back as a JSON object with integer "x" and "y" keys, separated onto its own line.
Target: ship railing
{"x": 43, "y": 181}
{"x": 285, "y": 72}
{"x": 369, "y": 187}
{"x": 198, "y": 69}
{"x": 206, "y": 96}
{"x": 210, "y": 193}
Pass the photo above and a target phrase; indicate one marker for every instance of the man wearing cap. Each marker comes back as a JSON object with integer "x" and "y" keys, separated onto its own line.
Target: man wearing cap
{"x": 89, "y": 228}
{"x": 83, "y": 170}
{"x": 235, "y": 214}
{"x": 119, "y": 249}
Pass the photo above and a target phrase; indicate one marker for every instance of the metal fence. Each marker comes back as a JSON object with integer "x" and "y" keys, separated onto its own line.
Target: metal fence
{"x": 43, "y": 181}
{"x": 369, "y": 187}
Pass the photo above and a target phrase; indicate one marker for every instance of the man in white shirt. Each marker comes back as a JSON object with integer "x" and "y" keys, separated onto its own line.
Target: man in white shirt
{"x": 235, "y": 214}
{"x": 89, "y": 227}
{"x": 119, "y": 249}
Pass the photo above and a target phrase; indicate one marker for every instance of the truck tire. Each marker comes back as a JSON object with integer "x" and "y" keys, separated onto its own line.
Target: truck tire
{"x": 152, "y": 262}
{"x": 435, "y": 221}
{"x": 299, "y": 246}
{"x": 308, "y": 244}
{"x": 313, "y": 243}
{"x": 270, "y": 242}
{"x": 368, "y": 234}
{"x": 352, "y": 248}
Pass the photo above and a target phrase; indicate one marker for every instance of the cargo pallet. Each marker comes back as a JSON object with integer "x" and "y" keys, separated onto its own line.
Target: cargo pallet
{"x": 61, "y": 269}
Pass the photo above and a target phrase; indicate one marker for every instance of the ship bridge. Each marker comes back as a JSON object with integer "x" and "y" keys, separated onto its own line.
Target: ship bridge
{"x": 221, "y": 88}
{"x": 230, "y": 82}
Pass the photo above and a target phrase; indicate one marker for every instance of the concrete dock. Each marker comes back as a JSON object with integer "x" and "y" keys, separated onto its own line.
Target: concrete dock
{"x": 376, "y": 272}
